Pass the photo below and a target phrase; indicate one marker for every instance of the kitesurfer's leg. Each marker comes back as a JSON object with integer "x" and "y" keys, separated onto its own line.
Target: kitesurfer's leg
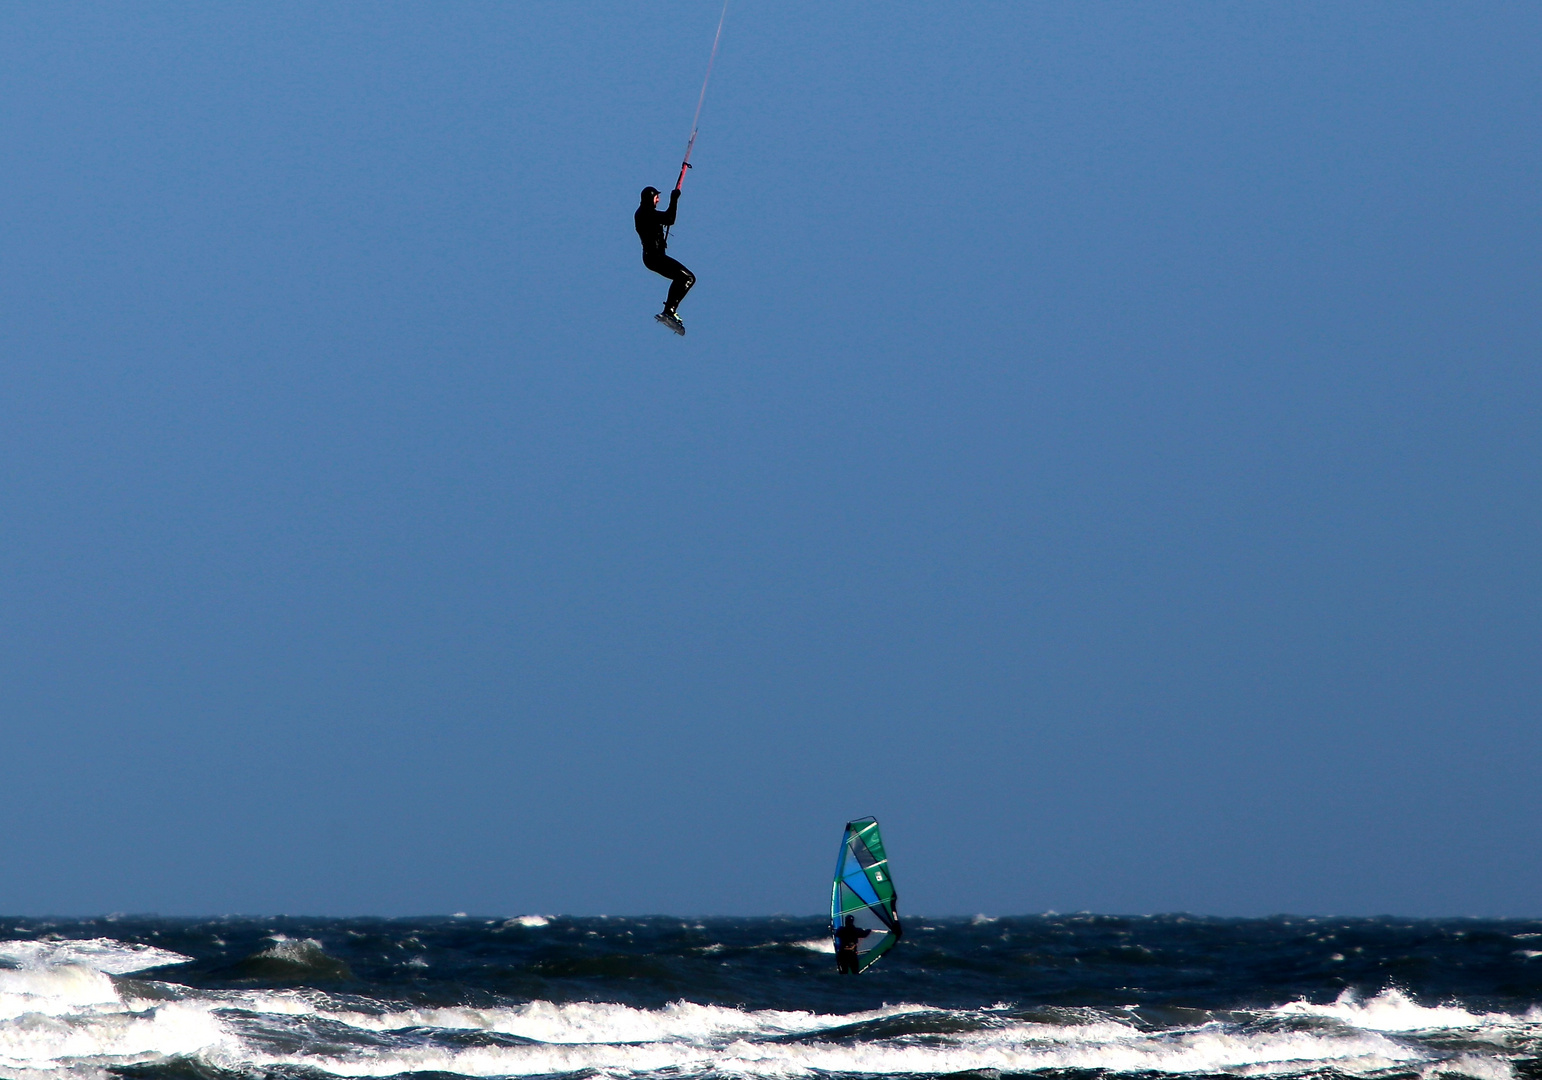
{"x": 680, "y": 279}
{"x": 683, "y": 280}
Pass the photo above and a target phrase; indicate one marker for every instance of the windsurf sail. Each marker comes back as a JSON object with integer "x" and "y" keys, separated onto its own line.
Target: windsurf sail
{"x": 864, "y": 889}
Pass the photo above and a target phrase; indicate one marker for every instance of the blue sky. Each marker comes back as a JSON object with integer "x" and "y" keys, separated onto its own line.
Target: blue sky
{"x": 1106, "y": 448}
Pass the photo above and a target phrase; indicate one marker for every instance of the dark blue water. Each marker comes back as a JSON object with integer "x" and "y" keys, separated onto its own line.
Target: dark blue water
{"x": 669, "y": 997}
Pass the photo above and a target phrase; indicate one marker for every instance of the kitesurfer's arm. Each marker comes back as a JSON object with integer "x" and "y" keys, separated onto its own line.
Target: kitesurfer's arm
{"x": 668, "y": 216}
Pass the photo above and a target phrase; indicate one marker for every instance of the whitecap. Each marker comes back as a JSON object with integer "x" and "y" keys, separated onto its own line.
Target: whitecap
{"x": 1392, "y": 1010}
{"x": 99, "y": 954}
{"x": 695, "y": 1038}
{"x": 1481, "y": 1068}
{"x": 55, "y": 991}
{"x": 62, "y": 1010}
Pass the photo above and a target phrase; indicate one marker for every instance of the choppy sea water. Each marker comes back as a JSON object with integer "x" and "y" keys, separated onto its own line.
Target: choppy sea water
{"x": 1052, "y": 996}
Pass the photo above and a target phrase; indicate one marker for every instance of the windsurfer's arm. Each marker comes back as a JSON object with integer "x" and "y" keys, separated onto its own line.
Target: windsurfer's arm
{"x": 668, "y": 216}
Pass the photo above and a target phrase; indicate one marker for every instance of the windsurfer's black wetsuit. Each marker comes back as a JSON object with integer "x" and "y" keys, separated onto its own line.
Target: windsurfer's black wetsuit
{"x": 651, "y": 222}
{"x": 846, "y": 938}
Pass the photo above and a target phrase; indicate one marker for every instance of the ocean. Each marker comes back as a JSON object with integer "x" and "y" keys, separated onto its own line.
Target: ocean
{"x": 1055, "y": 996}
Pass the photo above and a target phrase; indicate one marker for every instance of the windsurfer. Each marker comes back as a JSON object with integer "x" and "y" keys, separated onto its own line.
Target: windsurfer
{"x": 846, "y": 938}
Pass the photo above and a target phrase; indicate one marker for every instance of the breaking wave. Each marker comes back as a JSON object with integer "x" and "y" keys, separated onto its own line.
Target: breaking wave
{"x": 86, "y": 1009}
{"x": 73, "y": 1020}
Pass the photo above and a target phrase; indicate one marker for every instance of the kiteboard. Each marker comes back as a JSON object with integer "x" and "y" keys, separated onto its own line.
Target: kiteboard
{"x": 864, "y": 889}
{"x": 673, "y": 323}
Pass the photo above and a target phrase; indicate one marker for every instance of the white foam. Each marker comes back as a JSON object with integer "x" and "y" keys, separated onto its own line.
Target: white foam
{"x": 68, "y": 1019}
{"x": 1393, "y": 1010}
{"x": 304, "y": 951}
{"x": 1483, "y": 1068}
{"x": 600, "y": 1022}
{"x": 122, "y": 1036}
{"x": 1016, "y": 1048}
{"x": 100, "y": 954}
{"x": 826, "y": 945}
{"x": 690, "y": 1037}
{"x": 683, "y": 1038}
{"x": 529, "y": 920}
{"x": 62, "y": 1011}
{"x": 56, "y": 991}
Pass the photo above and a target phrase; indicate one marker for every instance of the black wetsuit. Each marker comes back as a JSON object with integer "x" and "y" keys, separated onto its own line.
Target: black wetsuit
{"x": 846, "y": 938}
{"x": 651, "y": 222}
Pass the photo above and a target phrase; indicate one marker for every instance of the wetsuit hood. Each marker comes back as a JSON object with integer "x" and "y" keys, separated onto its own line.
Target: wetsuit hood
{"x": 648, "y": 193}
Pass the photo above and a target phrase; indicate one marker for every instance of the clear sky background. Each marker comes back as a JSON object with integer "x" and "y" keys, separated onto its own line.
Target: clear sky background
{"x": 1107, "y": 447}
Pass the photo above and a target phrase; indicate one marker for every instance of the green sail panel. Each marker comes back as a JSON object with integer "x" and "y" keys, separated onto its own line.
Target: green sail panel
{"x": 864, "y": 889}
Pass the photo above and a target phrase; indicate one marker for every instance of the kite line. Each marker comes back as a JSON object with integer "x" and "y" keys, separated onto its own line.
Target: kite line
{"x": 696, "y": 120}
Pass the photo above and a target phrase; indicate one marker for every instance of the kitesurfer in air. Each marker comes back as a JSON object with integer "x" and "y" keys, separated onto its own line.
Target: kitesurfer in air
{"x": 651, "y": 223}
{"x": 846, "y": 938}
